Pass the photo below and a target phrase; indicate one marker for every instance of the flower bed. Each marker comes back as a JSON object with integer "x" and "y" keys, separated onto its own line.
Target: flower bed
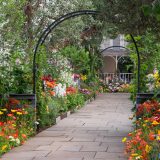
{"x": 17, "y": 122}
{"x": 144, "y": 142}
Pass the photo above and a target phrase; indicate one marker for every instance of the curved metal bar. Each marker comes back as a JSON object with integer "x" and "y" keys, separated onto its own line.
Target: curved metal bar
{"x": 113, "y": 47}
{"x": 139, "y": 63}
{"x": 48, "y": 30}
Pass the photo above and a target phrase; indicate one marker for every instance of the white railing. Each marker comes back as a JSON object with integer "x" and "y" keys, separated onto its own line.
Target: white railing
{"x": 122, "y": 77}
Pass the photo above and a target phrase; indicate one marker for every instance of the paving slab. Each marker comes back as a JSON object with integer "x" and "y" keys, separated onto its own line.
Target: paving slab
{"x": 92, "y": 133}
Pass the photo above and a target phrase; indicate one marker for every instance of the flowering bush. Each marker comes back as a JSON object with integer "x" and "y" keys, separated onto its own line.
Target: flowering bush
{"x": 49, "y": 84}
{"x": 153, "y": 81}
{"x": 16, "y": 124}
{"x": 118, "y": 87}
{"x": 75, "y": 100}
{"x": 144, "y": 141}
{"x": 147, "y": 108}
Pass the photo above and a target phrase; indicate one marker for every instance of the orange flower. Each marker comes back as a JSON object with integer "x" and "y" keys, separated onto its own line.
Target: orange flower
{"x": 1, "y": 134}
{"x": 52, "y": 93}
{"x": 151, "y": 136}
{"x": 155, "y": 123}
{"x": 24, "y": 136}
{"x": 50, "y": 84}
{"x": 15, "y": 135}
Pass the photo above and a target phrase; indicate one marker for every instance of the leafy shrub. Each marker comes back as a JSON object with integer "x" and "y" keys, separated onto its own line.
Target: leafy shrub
{"x": 74, "y": 100}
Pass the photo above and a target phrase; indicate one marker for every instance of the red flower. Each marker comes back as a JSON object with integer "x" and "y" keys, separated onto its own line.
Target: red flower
{"x": 1, "y": 123}
{"x": 13, "y": 101}
{"x": 71, "y": 90}
{"x": 147, "y": 107}
{"x": 15, "y": 135}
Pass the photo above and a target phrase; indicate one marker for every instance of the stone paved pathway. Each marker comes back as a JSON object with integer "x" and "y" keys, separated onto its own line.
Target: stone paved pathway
{"x": 92, "y": 133}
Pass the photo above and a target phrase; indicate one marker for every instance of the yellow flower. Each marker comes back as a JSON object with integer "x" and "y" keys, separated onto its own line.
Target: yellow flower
{"x": 155, "y": 123}
{"x": 148, "y": 148}
{"x": 12, "y": 110}
{"x": 4, "y": 147}
{"x": 83, "y": 77}
{"x": 144, "y": 125}
{"x": 124, "y": 139}
{"x": 1, "y": 112}
{"x": 158, "y": 136}
{"x": 4, "y": 109}
{"x": 156, "y": 75}
{"x": 134, "y": 155}
{"x": 146, "y": 121}
{"x": 19, "y": 113}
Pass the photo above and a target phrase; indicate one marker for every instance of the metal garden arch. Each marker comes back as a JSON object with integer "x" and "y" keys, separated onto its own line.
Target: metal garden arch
{"x": 53, "y": 25}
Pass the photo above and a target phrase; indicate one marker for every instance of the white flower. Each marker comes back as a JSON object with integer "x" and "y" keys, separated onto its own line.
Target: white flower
{"x": 17, "y": 141}
{"x": 36, "y": 122}
{"x": 60, "y": 90}
{"x": 12, "y": 139}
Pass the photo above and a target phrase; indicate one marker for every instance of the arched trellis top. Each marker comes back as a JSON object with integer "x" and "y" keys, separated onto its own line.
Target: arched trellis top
{"x": 53, "y": 25}
{"x": 110, "y": 47}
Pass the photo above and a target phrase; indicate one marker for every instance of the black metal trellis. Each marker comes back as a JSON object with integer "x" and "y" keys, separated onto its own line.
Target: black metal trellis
{"x": 139, "y": 63}
{"x": 61, "y": 19}
{"x": 48, "y": 30}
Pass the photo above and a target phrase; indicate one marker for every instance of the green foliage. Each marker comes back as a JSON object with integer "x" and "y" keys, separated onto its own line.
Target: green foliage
{"x": 125, "y": 16}
{"x": 149, "y": 48}
{"x": 75, "y": 100}
{"x": 47, "y": 111}
{"x": 79, "y": 59}
{"x": 152, "y": 10}
{"x": 16, "y": 75}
